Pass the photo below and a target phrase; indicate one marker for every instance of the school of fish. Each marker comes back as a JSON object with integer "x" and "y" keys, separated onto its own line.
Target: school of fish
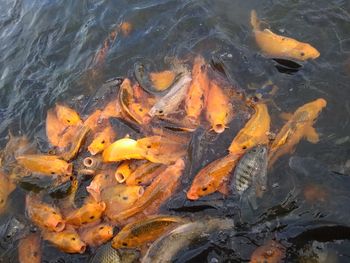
{"x": 131, "y": 176}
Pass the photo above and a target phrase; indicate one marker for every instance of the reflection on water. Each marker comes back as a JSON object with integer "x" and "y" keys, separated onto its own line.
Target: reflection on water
{"x": 47, "y": 50}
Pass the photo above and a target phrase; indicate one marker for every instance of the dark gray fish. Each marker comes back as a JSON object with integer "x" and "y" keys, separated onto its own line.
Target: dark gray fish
{"x": 107, "y": 254}
{"x": 251, "y": 173}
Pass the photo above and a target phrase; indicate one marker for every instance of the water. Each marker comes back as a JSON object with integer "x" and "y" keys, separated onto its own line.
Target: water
{"x": 47, "y": 50}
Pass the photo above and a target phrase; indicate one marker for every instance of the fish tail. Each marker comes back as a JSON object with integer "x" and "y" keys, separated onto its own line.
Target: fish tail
{"x": 254, "y": 21}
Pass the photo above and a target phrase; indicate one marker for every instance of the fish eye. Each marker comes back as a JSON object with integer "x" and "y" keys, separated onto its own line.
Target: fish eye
{"x": 73, "y": 238}
{"x": 101, "y": 227}
{"x": 204, "y": 189}
{"x": 302, "y": 54}
{"x": 124, "y": 244}
{"x": 244, "y": 147}
{"x": 1, "y": 201}
{"x": 148, "y": 146}
{"x": 125, "y": 198}
{"x": 92, "y": 217}
{"x": 103, "y": 141}
{"x": 160, "y": 111}
{"x": 68, "y": 121}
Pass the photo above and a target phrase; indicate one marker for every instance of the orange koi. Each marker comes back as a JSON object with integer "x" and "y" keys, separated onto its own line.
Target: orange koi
{"x": 125, "y": 28}
{"x": 254, "y": 132}
{"x": 156, "y": 194}
{"x": 100, "y": 182}
{"x": 67, "y": 241}
{"x": 300, "y": 125}
{"x": 44, "y": 215}
{"x": 119, "y": 198}
{"x": 6, "y": 188}
{"x": 67, "y": 115}
{"x": 141, "y": 232}
{"x": 162, "y": 80}
{"x": 101, "y": 54}
{"x": 271, "y": 252}
{"x": 198, "y": 90}
{"x": 158, "y": 149}
{"x": 213, "y": 177}
{"x": 145, "y": 173}
{"x": 88, "y": 213}
{"x": 102, "y": 140}
{"x": 45, "y": 164}
{"x": 123, "y": 149}
{"x": 219, "y": 110}
{"x": 96, "y": 235}
{"x": 29, "y": 249}
{"x": 278, "y": 46}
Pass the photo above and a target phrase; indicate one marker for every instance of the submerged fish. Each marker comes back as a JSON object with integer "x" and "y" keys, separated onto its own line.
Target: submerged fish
{"x": 271, "y": 252}
{"x": 6, "y": 188}
{"x": 251, "y": 172}
{"x": 299, "y": 125}
{"x": 280, "y": 46}
{"x": 171, "y": 101}
{"x": 29, "y": 249}
{"x": 254, "y": 132}
{"x": 140, "y": 232}
{"x": 166, "y": 247}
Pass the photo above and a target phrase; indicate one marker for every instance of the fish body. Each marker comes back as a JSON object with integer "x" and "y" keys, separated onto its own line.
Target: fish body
{"x": 67, "y": 241}
{"x": 212, "y": 177}
{"x": 280, "y": 46}
{"x": 254, "y": 132}
{"x": 45, "y": 164}
{"x": 251, "y": 172}
{"x": 198, "y": 91}
{"x": 102, "y": 140}
{"x": 107, "y": 254}
{"x": 145, "y": 174}
{"x": 167, "y": 246}
{"x": 171, "y": 101}
{"x": 123, "y": 149}
{"x": 93, "y": 120}
{"x": 88, "y": 213}
{"x": 141, "y": 232}
{"x": 6, "y": 188}
{"x": 219, "y": 109}
{"x": 77, "y": 142}
{"x": 100, "y": 181}
{"x": 162, "y": 80}
{"x": 44, "y": 215}
{"x": 96, "y": 235}
{"x": 29, "y": 249}
{"x": 300, "y": 125}
{"x": 159, "y": 149}
{"x": 119, "y": 198}
{"x": 271, "y": 252}
{"x": 155, "y": 194}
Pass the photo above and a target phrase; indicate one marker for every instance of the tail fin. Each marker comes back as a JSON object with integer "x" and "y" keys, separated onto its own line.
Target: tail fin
{"x": 254, "y": 20}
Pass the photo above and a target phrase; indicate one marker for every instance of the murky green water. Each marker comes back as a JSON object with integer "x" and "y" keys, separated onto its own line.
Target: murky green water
{"x": 46, "y": 53}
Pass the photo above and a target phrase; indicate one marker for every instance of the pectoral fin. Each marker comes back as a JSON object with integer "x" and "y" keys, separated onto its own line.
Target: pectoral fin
{"x": 224, "y": 189}
{"x": 312, "y": 135}
{"x": 286, "y": 116}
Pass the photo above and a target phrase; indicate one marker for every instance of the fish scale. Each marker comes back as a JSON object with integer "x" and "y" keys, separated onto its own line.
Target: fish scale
{"x": 251, "y": 170}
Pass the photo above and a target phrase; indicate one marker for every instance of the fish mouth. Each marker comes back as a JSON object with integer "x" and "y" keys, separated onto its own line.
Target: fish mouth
{"x": 219, "y": 128}
{"x": 120, "y": 178}
{"x": 59, "y": 226}
{"x": 192, "y": 196}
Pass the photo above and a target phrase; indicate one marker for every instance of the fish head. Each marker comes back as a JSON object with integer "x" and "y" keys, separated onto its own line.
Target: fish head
{"x": 105, "y": 232}
{"x": 54, "y": 221}
{"x": 304, "y": 51}
{"x": 67, "y": 115}
{"x": 101, "y": 141}
{"x": 72, "y": 243}
{"x": 200, "y": 187}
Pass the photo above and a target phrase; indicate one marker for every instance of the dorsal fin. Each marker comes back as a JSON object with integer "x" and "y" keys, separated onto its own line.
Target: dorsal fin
{"x": 254, "y": 21}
